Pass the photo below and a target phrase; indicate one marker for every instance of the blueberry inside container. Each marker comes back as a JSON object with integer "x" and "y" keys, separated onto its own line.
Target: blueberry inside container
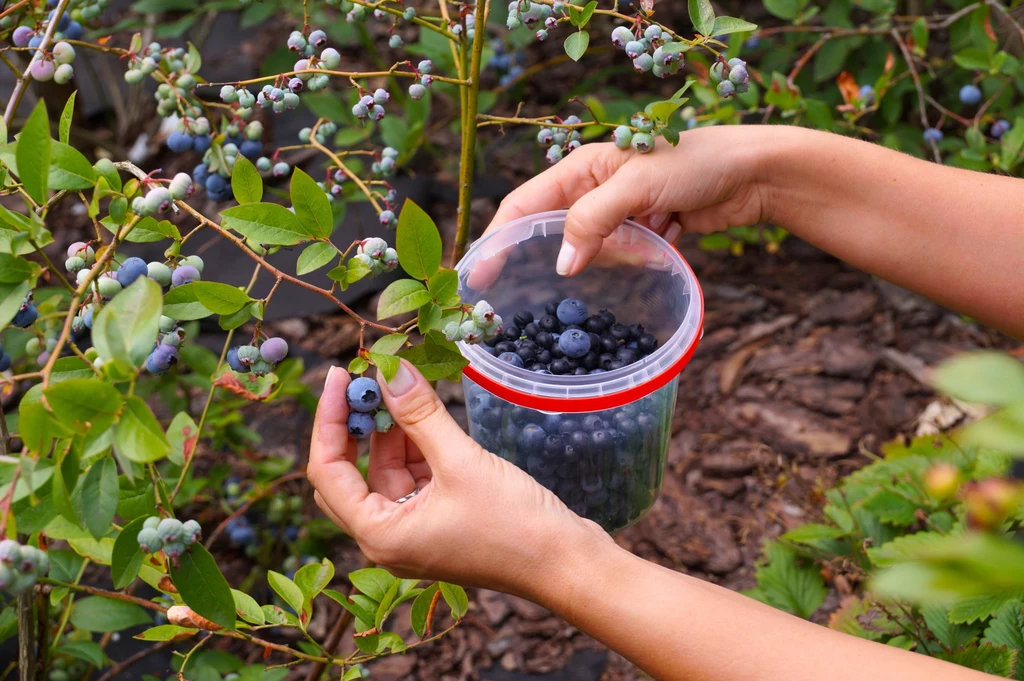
{"x": 598, "y": 440}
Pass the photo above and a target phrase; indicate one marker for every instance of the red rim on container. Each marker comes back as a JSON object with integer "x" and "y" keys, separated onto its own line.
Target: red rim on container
{"x": 609, "y": 390}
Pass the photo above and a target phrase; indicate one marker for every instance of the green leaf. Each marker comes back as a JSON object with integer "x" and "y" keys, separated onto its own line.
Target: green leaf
{"x": 65, "y": 118}
{"x": 785, "y": 9}
{"x": 220, "y": 298}
{"x": 444, "y": 287}
{"x": 387, "y": 604}
{"x": 455, "y": 597}
{"x": 401, "y": 296}
{"x": 903, "y": 548}
{"x": 968, "y": 610}
{"x": 33, "y": 153}
{"x": 84, "y": 402}
{"x": 246, "y": 183}
{"x": 1007, "y": 629}
{"x": 418, "y": 242}
{"x": 202, "y": 586}
{"x": 127, "y": 557}
{"x": 985, "y": 658}
{"x": 311, "y": 579}
{"x": 247, "y": 608}
{"x": 789, "y": 583}
{"x": 973, "y": 58}
{"x": 11, "y": 298}
{"x": 182, "y": 304}
{"x": 358, "y": 365}
{"x": 587, "y": 13}
{"x": 576, "y": 44}
{"x": 69, "y": 169}
{"x": 716, "y": 242}
{"x": 126, "y": 328}
{"x": 420, "y": 608}
{"x": 951, "y": 635}
{"x": 194, "y": 61}
{"x": 428, "y": 317}
{"x": 312, "y": 207}
{"x": 390, "y": 344}
{"x": 919, "y": 32}
{"x": 435, "y": 362}
{"x": 182, "y": 435}
{"x": 87, "y": 651}
{"x": 266, "y": 223}
{"x": 286, "y": 589}
{"x": 373, "y": 582}
{"x": 166, "y": 632}
{"x": 726, "y": 25}
{"x": 14, "y": 270}
{"x": 98, "y": 614}
{"x": 986, "y": 377}
{"x": 388, "y": 364}
{"x": 147, "y": 230}
{"x": 95, "y": 500}
{"x": 702, "y": 15}
{"x": 362, "y": 614}
{"x": 65, "y": 477}
{"x": 138, "y": 436}
{"x": 315, "y": 256}
{"x": 154, "y": 6}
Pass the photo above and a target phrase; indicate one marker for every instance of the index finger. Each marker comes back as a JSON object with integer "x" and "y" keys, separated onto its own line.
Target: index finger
{"x": 332, "y": 452}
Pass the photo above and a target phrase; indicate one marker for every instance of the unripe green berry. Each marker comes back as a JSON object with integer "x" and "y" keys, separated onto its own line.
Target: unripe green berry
{"x": 174, "y": 549}
{"x": 151, "y": 522}
{"x": 383, "y": 421}
{"x": 170, "y": 530}
{"x": 108, "y": 287}
{"x": 261, "y": 367}
{"x": 160, "y": 273}
{"x": 73, "y": 264}
{"x": 149, "y": 540}
{"x": 622, "y": 136}
{"x": 194, "y": 261}
{"x": 643, "y": 142}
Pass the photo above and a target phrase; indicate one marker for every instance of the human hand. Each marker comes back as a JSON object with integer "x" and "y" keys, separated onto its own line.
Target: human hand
{"x": 477, "y": 519}
{"x": 706, "y": 184}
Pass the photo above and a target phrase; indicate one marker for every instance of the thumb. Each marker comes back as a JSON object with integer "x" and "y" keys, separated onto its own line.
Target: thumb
{"x": 418, "y": 411}
{"x": 597, "y": 214}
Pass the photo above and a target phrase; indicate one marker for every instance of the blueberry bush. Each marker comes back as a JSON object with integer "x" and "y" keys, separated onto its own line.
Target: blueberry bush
{"x": 108, "y": 396}
{"x": 111, "y": 395}
{"x": 924, "y": 546}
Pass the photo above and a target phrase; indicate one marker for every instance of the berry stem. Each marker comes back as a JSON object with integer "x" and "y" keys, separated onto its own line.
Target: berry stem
{"x": 343, "y": 168}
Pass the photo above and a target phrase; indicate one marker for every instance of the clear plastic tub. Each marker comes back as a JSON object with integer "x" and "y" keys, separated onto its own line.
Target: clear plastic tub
{"x": 597, "y": 440}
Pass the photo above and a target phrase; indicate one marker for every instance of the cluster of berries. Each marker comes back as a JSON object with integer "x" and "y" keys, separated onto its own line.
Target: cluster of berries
{"x": 423, "y": 69}
{"x": 535, "y": 15}
{"x": 377, "y": 255}
{"x": 160, "y": 199}
{"x": 334, "y": 186}
{"x": 371, "y": 105}
{"x": 175, "y": 95}
{"x": 40, "y": 349}
{"x": 560, "y": 141}
{"x": 171, "y": 536}
{"x": 285, "y": 508}
{"x": 67, "y": 668}
{"x": 191, "y": 134}
{"x": 568, "y": 340}
{"x": 241, "y": 533}
{"x": 21, "y": 566}
{"x": 54, "y": 65}
{"x": 365, "y": 411}
{"x": 642, "y": 139}
{"x": 143, "y": 63}
{"x": 508, "y": 66}
{"x": 165, "y": 352}
{"x": 259, "y": 361}
{"x": 650, "y": 51}
{"x": 323, "y": 134}
{"x": 69, "y": 26}
{"x": 730, "y": 76}
{"x": 484, "y": 324}
{"x": 385, "y": 167}
{"x": 603, "y": 465}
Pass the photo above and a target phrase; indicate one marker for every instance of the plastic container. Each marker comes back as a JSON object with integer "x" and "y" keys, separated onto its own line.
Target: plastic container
{"x": 606, "y": 434}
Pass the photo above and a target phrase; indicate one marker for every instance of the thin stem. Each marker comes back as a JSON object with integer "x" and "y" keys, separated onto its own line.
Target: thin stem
{"x": 360, "y": 75}
{"x": 26, "y": 77}
{"x": 113, "y": 595}
{"x": 416, "y": 20}
{"x": 467, "y": 159}
{"x": 13, "y": 8}
{"x": 121, "y": 666}
{"x": 917, "y": 85}
{"x": 343, "y": 168}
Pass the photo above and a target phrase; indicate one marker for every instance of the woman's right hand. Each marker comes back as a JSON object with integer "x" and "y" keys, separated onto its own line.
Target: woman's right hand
{"x": 709, "y": 182}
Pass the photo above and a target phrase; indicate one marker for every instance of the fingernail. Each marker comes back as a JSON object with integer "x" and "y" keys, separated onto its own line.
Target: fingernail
{"x": 673, "y": 232}
{"x": 657, "y": 220}
{"x": 566, "y": 258}
{"x": 330, "y": 374}
{"x": 403, "y": 381}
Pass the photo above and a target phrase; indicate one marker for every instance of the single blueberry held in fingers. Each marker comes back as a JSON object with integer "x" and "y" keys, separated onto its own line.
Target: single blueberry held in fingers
{"x": 363, "y": 395}
{"x": 360, "y": 424}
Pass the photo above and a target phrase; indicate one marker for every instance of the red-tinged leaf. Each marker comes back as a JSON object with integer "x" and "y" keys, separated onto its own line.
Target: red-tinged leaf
{"x": 989, "y": 31}
{"x": 104, "y": 40}
{"x": 249, "y": 386}
{"x": 848, "y": 87}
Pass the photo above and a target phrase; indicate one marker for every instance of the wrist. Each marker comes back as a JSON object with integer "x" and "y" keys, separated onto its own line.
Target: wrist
{"x": 776, "y": 160}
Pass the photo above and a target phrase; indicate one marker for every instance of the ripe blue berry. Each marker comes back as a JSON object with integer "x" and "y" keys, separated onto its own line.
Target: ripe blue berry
{"x": 273, "y": 350}
{"x": 184, "y": 274}
{"x": 574, "y": 343}
{"x": 21, "y": 36}
{"x": 932, "y": 135}
{"x": 363, "y": 394}
{"x": 360, "y": 425}
{"x": 234, "y": 363}
{"x": 999, "y": 128}
{"x": 26, "y": 316}
{"x": 131, "y": 269}
{"x": 511, "y": 358}
{"x": 251, "y": 149}
{"x": 970, "y": 95}
{"x": 571, "y": 311}
{"x": 179, "y": 141}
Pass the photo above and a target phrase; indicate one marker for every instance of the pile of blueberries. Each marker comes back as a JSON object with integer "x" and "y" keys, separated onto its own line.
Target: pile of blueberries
{"x": 605, "y": 465}
{"x": 569, "y": 340}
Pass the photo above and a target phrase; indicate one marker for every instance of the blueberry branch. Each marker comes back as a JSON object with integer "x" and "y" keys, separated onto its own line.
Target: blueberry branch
{"x": 416, "y": 20}
{"x": 342, "y": 167}
{"x": 26, "y": 77}
{"x": 917, "y": 85}
{"x": 95, "y": 591}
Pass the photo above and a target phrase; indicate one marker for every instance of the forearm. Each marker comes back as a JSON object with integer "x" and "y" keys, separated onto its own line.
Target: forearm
{"x": 678, "y": 627}
{"x": 955, "y": 236}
